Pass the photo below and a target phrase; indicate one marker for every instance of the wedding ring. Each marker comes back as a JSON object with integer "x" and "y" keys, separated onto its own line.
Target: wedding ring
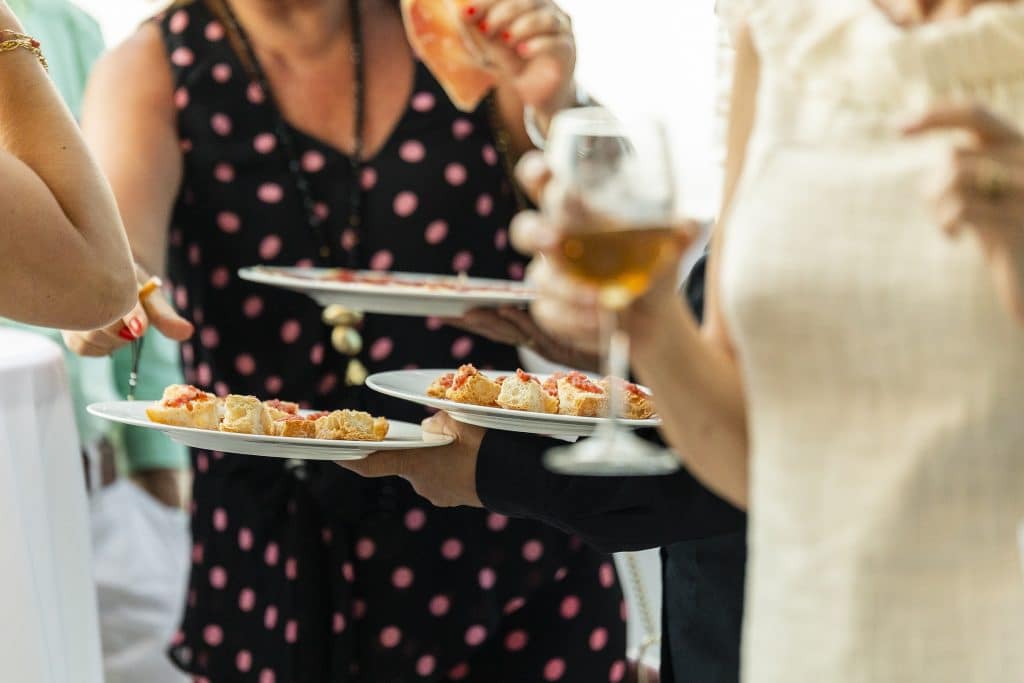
{"x": 993, "y": 182}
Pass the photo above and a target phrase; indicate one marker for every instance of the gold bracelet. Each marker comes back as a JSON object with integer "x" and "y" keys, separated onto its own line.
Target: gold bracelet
{"x": 13, "y": 40}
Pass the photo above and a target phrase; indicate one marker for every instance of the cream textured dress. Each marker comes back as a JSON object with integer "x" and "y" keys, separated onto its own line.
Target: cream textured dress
{"x": 885, "y": 382}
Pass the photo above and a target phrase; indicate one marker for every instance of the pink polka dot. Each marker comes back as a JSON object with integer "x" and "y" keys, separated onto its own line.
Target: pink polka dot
{"x": 382, "y": 260}
{"x": 327, "y": 384}
{"x": 402, "y": 577}
{"x": 462, "y": 347}
{"x": 213, "y": 635}
{"x": 455, "y": 174}
{"x": 194, "y": 254}
{"x": 218, "y": 577}
{"x": 348, "y": 571}
{"x": 243, "y": 661}
{"x": 271, "y": 193}
{"x": 434, "y": 323}
{"x": 291, "y": 330}
{"x": 349, "y": 239}
{"x": 365, "y": 548}
{"x": 533, "y": 550}
{"x": 245, "y": 364}
{"x": 423, "y": 101}
{"x": 181, "y": 297}
{"x": 186, "y": 147}
{"x": 225, "y": 173}
{"x": 462, "y": 262}
{"x": 561, "y": 573}
{"x": 209, "y": 337}
{"x": 554, "y": 669}
{"x": 197, "y": 553}
{"x": 313, "y": 161}
{"x": 182, "y": 56}
{"x": 178, "y": 22}
{"x": 415, "y": 519}
{"x": 462, "y": 129}
{"x": 270, "y": 617}
{"x": 252, "y": 307}
{"x": 181, "y": 98}
{"x": 381, "y": 348}
{"x": 246, "y": 600}
{"x": 321, "y": 211}
{"x": 496, "y": 522}
{"x": 598, "y": 639}
{"x": 475, "y": 635}
{"x": 459, "y": 672}
{"x": 214, "y": 31}
{"x": 219, "y": 277}
{"x": 516, "y": 271}
{"x": 623, "y": 611}
{"x": 204, "y": 374}
{"x": 358, "y": 608}
{"x": 606, "y": 574}
{"x": 264, "y": 143}
{"x": 229, "y": 222}
{"x": 451, "y": 549}
{"x": 220, "y": 519}
{"x": 425, "y": 665}
{"x": 490, "y": 155}
{"x": 485, "y": 204}
{"x": 487, "y": 578}
{"x": 338, "y": 623}
{"x": 221, "y": 73}
{"x": 272, "y": 554}
{"x": 202, "y": 463}
{"x": 405, "y": 204}
{"x": 412, "y": 151}
{"x": 254, "y": 93}
{"x": 188, "y": 354}
{"x": 368, "y": 178}
{"x": 291, "y": 631}
{"x": 439, "y": 605}
{"x": 304, "y": 263}
{"x": 570, "y": 607}
{"x": 326, "y": 535}
{"x": 273, "y": 384}
{"x": 501, "y": 239}
{"x": 516, "y": 640}
{"x": 221, "y": 124}
{"x": 316, "y": 354}
{"x": 291, "y": 568}
{"x": 436, "y": 232}
{"x": 617, "y": 672}
{"x": 270, "y": 247}
{"x": 267, "y": 676}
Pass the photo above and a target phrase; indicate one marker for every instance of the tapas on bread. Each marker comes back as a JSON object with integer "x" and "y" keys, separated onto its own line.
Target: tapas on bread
{"x": 187, "y": 406}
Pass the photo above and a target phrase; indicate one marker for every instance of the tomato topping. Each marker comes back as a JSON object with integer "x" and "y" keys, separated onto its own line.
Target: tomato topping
{"x": 189, "y": 394}
{"x": 525, "y": 376}
{"x": 583, "y": 383}
{"x": 283, "y": 406}
{"x": 465, "y": 372}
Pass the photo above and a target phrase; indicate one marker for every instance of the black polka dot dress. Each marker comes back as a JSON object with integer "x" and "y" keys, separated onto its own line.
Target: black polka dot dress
{"x": 314, "y": 575}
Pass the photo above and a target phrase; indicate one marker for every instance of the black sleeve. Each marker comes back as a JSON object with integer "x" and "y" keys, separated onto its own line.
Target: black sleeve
{"x": 612, "y": 514}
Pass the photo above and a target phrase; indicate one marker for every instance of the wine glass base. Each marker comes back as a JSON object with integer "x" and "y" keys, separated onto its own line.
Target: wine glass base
{"x": 612, "y": 455}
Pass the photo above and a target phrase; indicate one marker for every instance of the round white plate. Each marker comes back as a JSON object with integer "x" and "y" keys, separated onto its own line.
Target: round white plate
{"x": 402, "y": 435}
{"x": 411, "y": 294}
{"x": 411, "y": 385}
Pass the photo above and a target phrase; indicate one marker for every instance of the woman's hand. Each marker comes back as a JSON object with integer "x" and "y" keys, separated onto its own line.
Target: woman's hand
{"x": 446, "y": 476}
{"x": 981, "y": 190}
{"x": 154, "y": 310}
{"x": 531, "y": 41}
{"x": 516, "y": 327}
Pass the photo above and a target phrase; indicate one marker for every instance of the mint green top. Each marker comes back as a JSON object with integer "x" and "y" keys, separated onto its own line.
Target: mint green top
{"x": 71, "y": 41}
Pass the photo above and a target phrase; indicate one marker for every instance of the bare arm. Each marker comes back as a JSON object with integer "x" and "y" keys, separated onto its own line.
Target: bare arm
{"x": 694, "y": 372}
{"x": 65, "y": 257}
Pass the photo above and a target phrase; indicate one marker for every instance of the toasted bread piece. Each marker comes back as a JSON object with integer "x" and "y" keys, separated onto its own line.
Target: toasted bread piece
{"x": 472, "y": 387}
{"x": 440, "y": 386}
{"x": 279, "y": 409}
{"x": 351, "y": 425}
{"x": 295, "y": 426}
{"x": 523, "y": 392}
{"x": 246, "y": 415}
{"x": 638, "y": 404}
{"x": 580, "y": 397}
{"x": 186, "y": 406}
{"x": 435, "y": 32}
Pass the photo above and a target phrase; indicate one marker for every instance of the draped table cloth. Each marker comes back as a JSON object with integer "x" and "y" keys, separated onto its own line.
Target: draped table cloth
{"x": 49, "y": 628}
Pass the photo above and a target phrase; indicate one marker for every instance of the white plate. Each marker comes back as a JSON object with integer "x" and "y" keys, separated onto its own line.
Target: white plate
{"x": 411, "y": 385}
{"x": 412, "y": 294}
{"x": 402, "y": 435}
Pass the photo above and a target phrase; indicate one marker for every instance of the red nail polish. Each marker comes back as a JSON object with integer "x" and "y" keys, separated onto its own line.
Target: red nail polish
{"x": 470, "y": 11}
{"x": 135, "y": 325}
{"x": 126, "y": 334}
{"x": 506, "y": 36}
{"x": 482, "y": 26}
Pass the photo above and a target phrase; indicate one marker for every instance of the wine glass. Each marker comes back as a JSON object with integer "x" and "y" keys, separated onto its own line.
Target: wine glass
{"x": 613, "y": 192}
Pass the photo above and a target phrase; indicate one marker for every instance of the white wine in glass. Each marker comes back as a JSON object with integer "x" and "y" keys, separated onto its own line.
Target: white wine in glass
{"x": 613, "y": 195}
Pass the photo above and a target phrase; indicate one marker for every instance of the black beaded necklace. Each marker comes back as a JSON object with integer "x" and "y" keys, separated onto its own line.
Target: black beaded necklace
{"x": 284, "y": 135}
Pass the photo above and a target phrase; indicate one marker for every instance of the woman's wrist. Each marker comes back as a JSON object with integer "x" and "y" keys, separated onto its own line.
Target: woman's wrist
{"x": 664, "y": 336}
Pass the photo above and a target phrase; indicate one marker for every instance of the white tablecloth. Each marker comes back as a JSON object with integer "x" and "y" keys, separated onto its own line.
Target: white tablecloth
{"x": 48, "y": 625}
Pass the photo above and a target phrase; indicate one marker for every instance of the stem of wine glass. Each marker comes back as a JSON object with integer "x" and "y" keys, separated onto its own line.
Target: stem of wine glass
{"x": 617, "y": 366}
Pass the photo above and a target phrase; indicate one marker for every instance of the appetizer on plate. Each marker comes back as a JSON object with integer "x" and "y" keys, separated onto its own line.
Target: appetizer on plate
{"x": 579, "y": 396}
{"x": 638, "y": 404}
{"x": 471, "y": 386}
{"x": 523, "y": 391}
{"x": 187, "y": 406}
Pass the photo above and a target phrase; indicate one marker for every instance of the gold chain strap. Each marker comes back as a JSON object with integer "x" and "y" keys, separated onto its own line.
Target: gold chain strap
{"x": 19, "y": 41}
{"x": 652, "y": 634}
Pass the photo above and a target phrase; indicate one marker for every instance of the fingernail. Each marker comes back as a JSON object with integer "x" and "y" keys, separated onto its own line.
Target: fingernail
{"x": 470, "y": 11}
{"x": 126, "y": 334}
{"x": 135, "y": 325}
{"x": 506, "y": 36}
{"x": 482, "y": 26}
